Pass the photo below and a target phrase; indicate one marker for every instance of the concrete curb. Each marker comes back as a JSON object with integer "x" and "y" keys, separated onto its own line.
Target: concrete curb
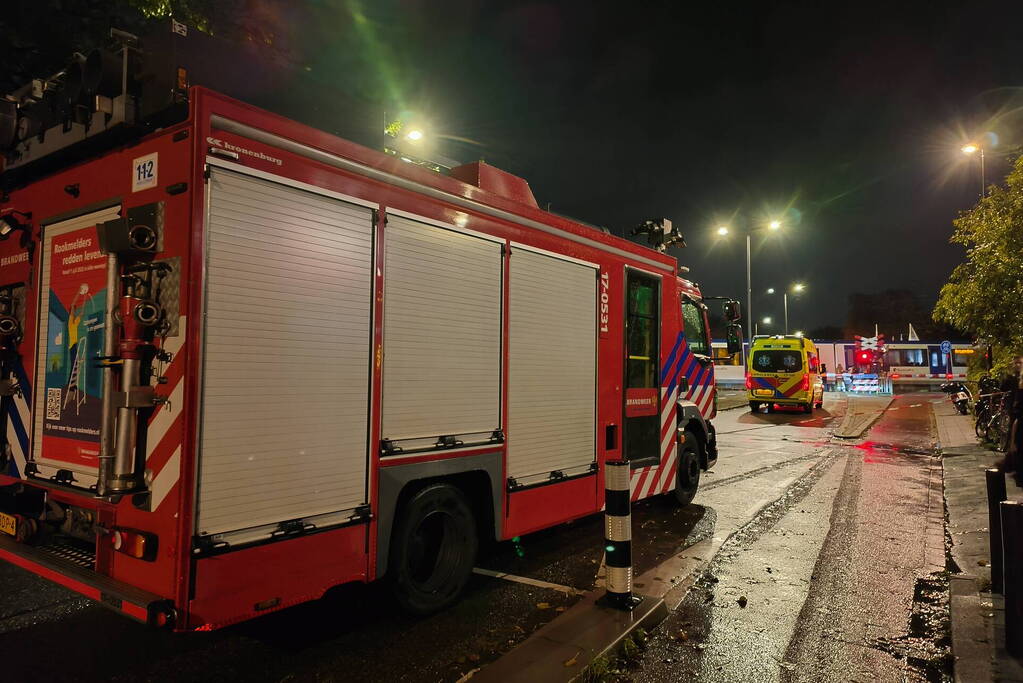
{"x": 562, "y": 649}
{"x": 856, "y": 422}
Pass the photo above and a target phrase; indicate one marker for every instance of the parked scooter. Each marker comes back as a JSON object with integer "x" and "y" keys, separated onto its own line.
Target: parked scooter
{"x": 959, "y": 394}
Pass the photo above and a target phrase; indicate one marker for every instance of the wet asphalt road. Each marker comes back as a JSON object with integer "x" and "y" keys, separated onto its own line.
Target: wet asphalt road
{"x": 839, "y": 578}
{"x": 769, "y": 466}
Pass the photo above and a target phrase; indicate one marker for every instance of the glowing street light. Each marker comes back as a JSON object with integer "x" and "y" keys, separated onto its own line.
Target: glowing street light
{"x": 795, "y": 288}
{"x": 723, "y": 231}
{"x": 766, "y": 320}
{"x": 414, "y": 135}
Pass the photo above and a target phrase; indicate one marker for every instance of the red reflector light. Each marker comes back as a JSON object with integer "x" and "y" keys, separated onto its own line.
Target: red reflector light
{"x": 948, "y": 376}
{"x": 133, "y": 543}
{"x": 749, "y": 381}
{"x": 895, "y": 375}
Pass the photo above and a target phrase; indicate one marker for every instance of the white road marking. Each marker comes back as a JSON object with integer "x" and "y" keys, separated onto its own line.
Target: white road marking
{"x": 528, "y": 581}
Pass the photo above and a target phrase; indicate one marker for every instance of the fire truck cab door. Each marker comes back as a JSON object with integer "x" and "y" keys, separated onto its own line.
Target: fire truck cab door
{"x": 641, "y": 436}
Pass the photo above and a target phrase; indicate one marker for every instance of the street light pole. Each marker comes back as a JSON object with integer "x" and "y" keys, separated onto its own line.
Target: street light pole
{"x": 785, "y": 298}
{"x": 749, "y": 292}
{"x": 969, "y": 150}
{"x": 983, "y": 181}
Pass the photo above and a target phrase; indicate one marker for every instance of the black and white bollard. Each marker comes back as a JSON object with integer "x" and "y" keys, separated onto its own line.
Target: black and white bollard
{"x": 995, "y": 495}
{"x": 1012, "y": 576}
{"x": 618, "y": 536}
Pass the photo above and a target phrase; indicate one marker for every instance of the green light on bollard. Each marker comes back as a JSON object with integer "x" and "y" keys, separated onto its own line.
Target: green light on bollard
{"x": 609, "y": 548}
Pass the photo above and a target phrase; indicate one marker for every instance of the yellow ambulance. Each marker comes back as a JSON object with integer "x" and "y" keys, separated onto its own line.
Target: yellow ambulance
{"x": 783, "y": 370}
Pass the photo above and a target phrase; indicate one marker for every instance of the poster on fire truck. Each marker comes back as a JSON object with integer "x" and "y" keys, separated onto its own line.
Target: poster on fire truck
{"x": 74, "y": 338}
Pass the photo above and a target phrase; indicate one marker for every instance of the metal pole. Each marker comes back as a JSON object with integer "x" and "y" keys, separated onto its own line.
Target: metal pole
{"x": 749, "y": 291}
{"x": 618, "y": 535}
{"x": 983, "y": 179}
{"x": 995, "y": 495}
{"x": 107, "y": 411}
{"x": 1012, "y": 575}
{"x": 785, "y": 298}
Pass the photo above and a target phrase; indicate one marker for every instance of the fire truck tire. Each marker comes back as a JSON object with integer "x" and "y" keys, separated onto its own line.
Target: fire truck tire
{"x": 808, "y": 407}
{"x": 688, "y": 478}
{"x": 754, "y": 406}
{"x": 433, "y": 549}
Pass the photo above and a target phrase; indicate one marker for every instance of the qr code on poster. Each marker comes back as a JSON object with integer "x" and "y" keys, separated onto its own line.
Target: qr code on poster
{"x": 53, "y": 404}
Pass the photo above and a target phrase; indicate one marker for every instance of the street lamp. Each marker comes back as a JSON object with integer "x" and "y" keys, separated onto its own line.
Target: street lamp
{"x": 969, "y": 150}
{"x": 795, "y": 288}
{"x": 723, "y": 231}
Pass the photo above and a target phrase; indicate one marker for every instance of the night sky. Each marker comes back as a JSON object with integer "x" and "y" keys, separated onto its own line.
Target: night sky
{"x": 845, "y": 122}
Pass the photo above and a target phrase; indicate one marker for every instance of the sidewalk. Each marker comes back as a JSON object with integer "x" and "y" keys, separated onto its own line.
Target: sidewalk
{"x": 978, "y": 638}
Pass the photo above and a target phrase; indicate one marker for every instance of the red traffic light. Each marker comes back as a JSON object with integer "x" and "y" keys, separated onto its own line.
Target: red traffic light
{"x": 864, "y": 356}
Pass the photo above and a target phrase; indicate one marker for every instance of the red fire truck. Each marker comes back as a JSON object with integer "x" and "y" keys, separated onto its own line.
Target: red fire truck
{"x": 243, "y": 361}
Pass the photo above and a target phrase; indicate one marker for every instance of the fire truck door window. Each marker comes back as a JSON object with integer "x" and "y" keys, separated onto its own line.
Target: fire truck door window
{"x": 641, "y": 437}
{"x": 695, "y": 330}
{"x": 642, "y": 326}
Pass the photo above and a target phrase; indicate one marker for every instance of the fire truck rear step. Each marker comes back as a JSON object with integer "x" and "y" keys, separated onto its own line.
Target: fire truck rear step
{"x": 68, "y": 550}
{"x": 74, "y": 568}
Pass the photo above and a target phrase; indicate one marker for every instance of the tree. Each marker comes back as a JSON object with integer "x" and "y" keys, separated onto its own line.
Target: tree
{"x": 984, "y": 293}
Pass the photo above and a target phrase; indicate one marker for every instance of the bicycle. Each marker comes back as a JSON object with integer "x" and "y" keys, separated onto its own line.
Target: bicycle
{"x": 995, "y": 425}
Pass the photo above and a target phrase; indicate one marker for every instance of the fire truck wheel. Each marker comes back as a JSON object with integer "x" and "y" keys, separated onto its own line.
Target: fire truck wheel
{"x": 433, "y": 549}
{"x": 754, "y": 406}
{"x": 808, "y": 407}
{"x": 688, "y": 469}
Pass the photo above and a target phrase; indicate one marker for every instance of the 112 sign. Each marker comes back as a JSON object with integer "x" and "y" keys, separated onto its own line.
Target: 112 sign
{"x": 144, "y": 171}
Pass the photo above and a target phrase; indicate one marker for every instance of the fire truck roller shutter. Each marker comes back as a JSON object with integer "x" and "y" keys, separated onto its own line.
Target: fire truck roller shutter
{"x": 552, "y": 366}
{"x": 286, "y": 355}
{"x": 442, "y": 334}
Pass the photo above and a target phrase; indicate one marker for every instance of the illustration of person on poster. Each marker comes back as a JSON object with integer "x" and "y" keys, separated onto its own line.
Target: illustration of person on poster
{"x": 77, "y": 349}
